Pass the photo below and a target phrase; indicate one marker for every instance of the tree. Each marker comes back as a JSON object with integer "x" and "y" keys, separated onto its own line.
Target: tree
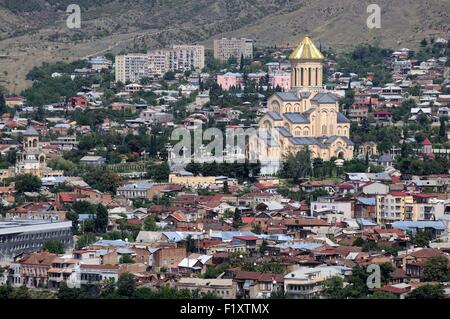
{"x": 54, "y": 247}
{"x": 126, "y": 285}
{"x": 160, "y": 172}
{"x": 101, "y": 218}
{"x": 443, "y": 129}
{"x": 190, "y": 244}
{"x": 333, "y": 288}
{"x": 382, "y": 295}
{"x": 263, "y": 247}
{"x": 20, "y": 293}
{"x": 427, "y": 292}
{"x": 110, "y": 182}
{"x": 27, "y": 183}
{"x": 169, "y": 76}
{"x": 237, "y": 219}
{"x": 422, "y": 238}
{"x": 436, "y": 269}
{"x": 3, "y": 107}
{"x": 150, "y": 224}
{"x": 226, "y": 189}
{"x": 257, "y": 229}
{"x": 298, "y": 165}
{"x": 126, "y": 259}
{"x": 86, "y": 240}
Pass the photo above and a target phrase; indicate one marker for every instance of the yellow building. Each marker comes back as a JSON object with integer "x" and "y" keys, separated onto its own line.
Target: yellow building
{"x": 306, "y": 116}
{"x": 401, "y": 206}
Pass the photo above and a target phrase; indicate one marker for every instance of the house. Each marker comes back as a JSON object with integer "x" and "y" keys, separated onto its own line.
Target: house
{"x": 383, "y": 117}
{"x": 166, "y": 256}
{"x": 93, "y": 160}
{"x": 135, "y": 191}
{"x": 194, "y": 264}
{"x": 223, "y": 288}
{"x": 413, "y": 263}
{"x": 257, "y": 285}
{"x": 34, "y": 269}
{"x": 306, "y": 283}
{"x": 77, "y": 101}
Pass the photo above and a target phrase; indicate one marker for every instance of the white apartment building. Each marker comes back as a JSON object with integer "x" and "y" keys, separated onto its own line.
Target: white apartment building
{"x": 134, "y": 67}
{"x": 226, "y": 48}
{"x": 306, "y": 283}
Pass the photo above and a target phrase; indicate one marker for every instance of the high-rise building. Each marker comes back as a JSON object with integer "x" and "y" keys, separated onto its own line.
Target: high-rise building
{"x": 134, "y": 67}
{"x": 225, "y": 48}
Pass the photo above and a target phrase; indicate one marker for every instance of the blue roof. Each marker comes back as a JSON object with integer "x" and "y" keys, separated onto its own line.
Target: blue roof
{"x": 299, "y": 246}
{"x": 288, "y": 96}
{"x": 366, "y": 201}
{"x": 84, "y": 217}
{"x": 296, "y": 118}
{"x": 283, "y": 131}
{"x": 325, "y": 98}
{"x": 228, "y": 235}
{"x": 366, "y": 222}
{"x": 116, "y": 243}
{"x": 304, "y": 141}
{"x": 173, "y": 236}
{"x": 140, "y": 186}
{"x": 341, "y": 119}
{"x": 408, "y": 225}
{"x": 275, "y": 116}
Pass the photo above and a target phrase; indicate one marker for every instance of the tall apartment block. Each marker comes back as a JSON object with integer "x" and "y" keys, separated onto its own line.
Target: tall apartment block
{"x": 133, "y": 67}
{"x": 226, "y": 48}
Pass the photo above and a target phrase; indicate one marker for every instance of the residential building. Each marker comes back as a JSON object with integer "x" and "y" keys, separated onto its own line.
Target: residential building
{"x": 18, "y": 237}
{"x": 134, "y": 67}
{"x": 306, "y": 283}
{"x": 223, "y": 288}
{"x": 225, "y": 48}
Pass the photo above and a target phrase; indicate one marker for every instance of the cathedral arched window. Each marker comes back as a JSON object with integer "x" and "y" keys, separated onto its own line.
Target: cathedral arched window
{"x": 324, "y": 130}
{"x": 305, "y": 132}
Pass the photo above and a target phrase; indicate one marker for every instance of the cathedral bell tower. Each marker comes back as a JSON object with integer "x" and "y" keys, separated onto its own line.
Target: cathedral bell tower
{"x": 307, "y": 65}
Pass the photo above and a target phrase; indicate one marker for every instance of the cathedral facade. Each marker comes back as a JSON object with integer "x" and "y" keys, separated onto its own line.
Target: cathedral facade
{"x": 31, "y": 159}
{"x": 306, "y": 116}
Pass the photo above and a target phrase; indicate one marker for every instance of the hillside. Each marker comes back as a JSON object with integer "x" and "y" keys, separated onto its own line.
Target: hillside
{"x": 34, "y": 31}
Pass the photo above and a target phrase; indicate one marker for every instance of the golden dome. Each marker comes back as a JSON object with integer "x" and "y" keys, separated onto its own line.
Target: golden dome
{"x": 306, "y": 50}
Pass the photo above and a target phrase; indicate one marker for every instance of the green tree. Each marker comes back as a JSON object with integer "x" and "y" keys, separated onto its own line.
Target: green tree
{"x": 101, "y": 218}
{"x": 54, "y": 247}
{"x": 257, "y": 229}
{"x": 150, "y": 224}
{"x": 27, "y": 183}
{"x": 237, "y": 219}
{"x": 443, "y": 129}
{"x": 226, "y": 189}
{"x": 427, "y": 292}
{"x": 159, "y": 172}
{"x": 20, "y": 293}
{"x": 382, "y": 295}
{"x": 297, "y": 165}
{"x": 86, "y": 240}
{"x": 264, "y": 246}
{"x": 436, "y": 269}
{"x": 3, "y": 107}
{"x": 126, "y": 285}
{"x": 126, "y": 259}
{"x": 333, "y": 288}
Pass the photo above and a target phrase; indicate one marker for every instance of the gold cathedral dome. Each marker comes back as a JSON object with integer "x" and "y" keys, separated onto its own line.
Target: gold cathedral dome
{"x": 306, "y": 50}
